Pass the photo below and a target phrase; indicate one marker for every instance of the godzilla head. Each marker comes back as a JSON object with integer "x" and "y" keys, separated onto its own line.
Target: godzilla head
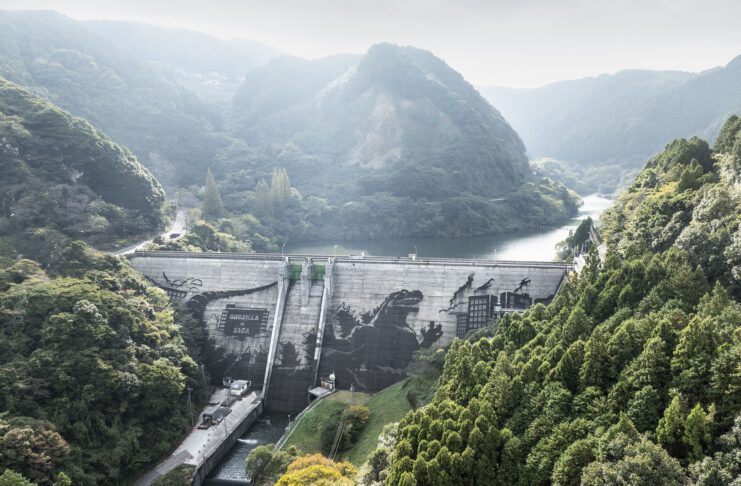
{"x": 408, "y": 299}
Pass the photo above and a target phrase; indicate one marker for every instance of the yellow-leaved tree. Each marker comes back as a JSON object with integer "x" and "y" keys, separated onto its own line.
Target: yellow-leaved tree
{"x": 315, "y": 469}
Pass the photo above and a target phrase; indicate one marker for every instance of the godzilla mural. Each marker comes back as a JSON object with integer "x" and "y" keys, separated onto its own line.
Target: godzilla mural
{"x": 372, "y": 349}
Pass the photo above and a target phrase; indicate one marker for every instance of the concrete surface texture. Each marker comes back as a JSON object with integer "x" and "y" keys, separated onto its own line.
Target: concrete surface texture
{"x": 378, "y": 311}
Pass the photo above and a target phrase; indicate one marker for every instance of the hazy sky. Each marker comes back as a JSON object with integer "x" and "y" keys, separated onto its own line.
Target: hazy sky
{"x": 520, "y": 43}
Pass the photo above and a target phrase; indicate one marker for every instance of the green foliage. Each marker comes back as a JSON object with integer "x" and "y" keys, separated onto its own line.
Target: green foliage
{"x": 10, "y": 478}
{"x": 638, "y": 462}
{"x": 212, "y": 206}
{"x": 628, "y": 377}
{"x": 203, "y": 236}
{"x": 317, "y": 470}
{"x": 724, "y": 466}
{"x": 576, "y": 241}
{"x": 137, "y": 103}
{"x": 264, "y": 465}
{"x": 349, "y": 421}
{"x": 92, "y": 364}
{"x": 685, "y": 198}
{"x": 64, "y": 179}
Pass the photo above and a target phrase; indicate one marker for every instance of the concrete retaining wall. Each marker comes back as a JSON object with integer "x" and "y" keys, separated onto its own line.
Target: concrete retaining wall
{"x": 208, "y": 464}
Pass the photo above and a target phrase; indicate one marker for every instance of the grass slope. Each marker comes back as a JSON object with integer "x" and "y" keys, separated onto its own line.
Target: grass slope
{"x": 307, "y": 434}
{"x": 387, "y": 406}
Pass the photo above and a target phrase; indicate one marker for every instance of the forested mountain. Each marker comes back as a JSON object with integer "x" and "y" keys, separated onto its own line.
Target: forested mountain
{"x": 137, "y": 103}
{"x": 92, "y": 365}
{"x": 94, "y": 370}
{"x": 397, "y": 120}
{"x": 631, "y": 375}
{"x": 603, "y": 128}
{"x": 390, "y": 143}
{"x": 61, "y": 179}
{"x": 212, "y": 67}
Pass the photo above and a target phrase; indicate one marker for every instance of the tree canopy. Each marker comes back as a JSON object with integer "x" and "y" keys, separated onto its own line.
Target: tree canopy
{"x": 630, "y": 376}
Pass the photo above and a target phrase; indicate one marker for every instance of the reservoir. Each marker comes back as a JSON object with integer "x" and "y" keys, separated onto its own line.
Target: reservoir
{"x": 523, "y": 245}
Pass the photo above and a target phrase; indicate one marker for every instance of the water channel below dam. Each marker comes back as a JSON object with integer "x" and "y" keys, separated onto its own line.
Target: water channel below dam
{"x": 526, "y": 245}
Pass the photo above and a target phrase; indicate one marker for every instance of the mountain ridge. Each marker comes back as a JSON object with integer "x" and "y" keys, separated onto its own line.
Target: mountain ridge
{"x": 615, "y": 122}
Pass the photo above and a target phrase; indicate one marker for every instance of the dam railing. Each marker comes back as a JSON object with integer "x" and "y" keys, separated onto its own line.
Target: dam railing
{"x": 351, "y": 258}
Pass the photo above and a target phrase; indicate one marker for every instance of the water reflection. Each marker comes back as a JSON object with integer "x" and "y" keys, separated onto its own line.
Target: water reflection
{"x": 526, "y": 245}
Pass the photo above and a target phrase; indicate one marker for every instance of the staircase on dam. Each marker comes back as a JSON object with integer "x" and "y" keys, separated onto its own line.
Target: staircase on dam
{"x": 293, "y": 368}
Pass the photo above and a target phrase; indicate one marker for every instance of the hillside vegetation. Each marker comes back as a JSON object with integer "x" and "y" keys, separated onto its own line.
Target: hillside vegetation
{"x": 391, "y": 143}
{"x": 602, "y": 129}
{"x": 64, "y": 179}
{"x": 138, "y": 104}
{"x": 93, "y": 367}
{"x": 631, "y": 376}
{"x": 93, "y": 370}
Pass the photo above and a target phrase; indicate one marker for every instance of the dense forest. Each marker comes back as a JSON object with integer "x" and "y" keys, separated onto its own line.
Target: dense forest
{"x": 390, "y": 143}
{"x": 94, "y": 370}
{"x": 600, "y": 130}
{"x": 92, "y": 362}
{"x": 631, "y": 376}
{"x": 139, "y": 104}
{"x": 63, "y": 179}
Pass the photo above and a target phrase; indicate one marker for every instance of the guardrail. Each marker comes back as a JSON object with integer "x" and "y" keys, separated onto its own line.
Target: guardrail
{"x": 349, "y": 258}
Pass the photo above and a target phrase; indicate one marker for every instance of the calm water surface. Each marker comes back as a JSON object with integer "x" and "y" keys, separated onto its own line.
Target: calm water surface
{"x": 525, "y": 245}
{"x": 267, "y": 430}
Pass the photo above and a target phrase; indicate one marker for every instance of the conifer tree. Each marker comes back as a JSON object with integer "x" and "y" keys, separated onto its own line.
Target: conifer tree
{"x": 212, "y": 206}
{"x": 280, "y": 187}
{"x": 670, "y": 430}
{"x": 697, "y": 436}
{"x": 263, "y": 205}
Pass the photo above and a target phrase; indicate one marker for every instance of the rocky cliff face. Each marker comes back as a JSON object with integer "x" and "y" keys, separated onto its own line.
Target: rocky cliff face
{"x": 364, "y": 123}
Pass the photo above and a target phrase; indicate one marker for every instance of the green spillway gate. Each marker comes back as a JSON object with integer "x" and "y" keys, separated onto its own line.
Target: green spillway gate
{"x": 295, "y": 271}
{"x": 317, "y": 272}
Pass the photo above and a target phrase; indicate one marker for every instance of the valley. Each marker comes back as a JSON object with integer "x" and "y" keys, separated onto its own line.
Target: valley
{"x": 343, "y": 254}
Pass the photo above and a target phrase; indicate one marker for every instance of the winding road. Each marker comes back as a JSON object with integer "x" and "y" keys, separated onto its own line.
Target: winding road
{"x": 178, "y": 226}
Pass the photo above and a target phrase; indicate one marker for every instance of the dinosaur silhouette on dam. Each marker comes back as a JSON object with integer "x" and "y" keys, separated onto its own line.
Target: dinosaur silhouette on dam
{"x": 283, "y": 322}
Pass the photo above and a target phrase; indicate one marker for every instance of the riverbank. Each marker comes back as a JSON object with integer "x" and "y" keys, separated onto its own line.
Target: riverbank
{"x": 524, "y": 245}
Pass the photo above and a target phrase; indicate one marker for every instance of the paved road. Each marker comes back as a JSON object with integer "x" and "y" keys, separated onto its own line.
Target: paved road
{"x": 178, "y": 226}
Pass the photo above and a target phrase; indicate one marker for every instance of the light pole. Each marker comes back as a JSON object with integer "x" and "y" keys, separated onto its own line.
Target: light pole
{"x": 334, "y": 252}
{"x": 190, "y": 406}
{"x": 282, "y": 248}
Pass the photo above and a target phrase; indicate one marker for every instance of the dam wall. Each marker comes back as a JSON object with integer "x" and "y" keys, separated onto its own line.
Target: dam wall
{"x": 377, "y": 312}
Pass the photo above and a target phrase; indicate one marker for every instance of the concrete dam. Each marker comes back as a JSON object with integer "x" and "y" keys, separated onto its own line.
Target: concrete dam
{"x": 285, "y": 321}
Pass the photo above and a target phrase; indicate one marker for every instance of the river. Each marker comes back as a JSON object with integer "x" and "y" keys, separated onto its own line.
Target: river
{"x": 267, "y": 430}
{"x": 524, "y": 245}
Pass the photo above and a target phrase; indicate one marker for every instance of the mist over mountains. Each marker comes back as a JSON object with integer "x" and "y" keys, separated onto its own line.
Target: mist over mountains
{"x": 396, "y": 120}
{"x": 396, "y": 131}
{"x": 605, "y": 127}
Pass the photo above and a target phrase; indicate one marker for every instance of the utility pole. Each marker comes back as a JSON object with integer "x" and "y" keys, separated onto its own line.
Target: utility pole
{"x": 190, "y": 406}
